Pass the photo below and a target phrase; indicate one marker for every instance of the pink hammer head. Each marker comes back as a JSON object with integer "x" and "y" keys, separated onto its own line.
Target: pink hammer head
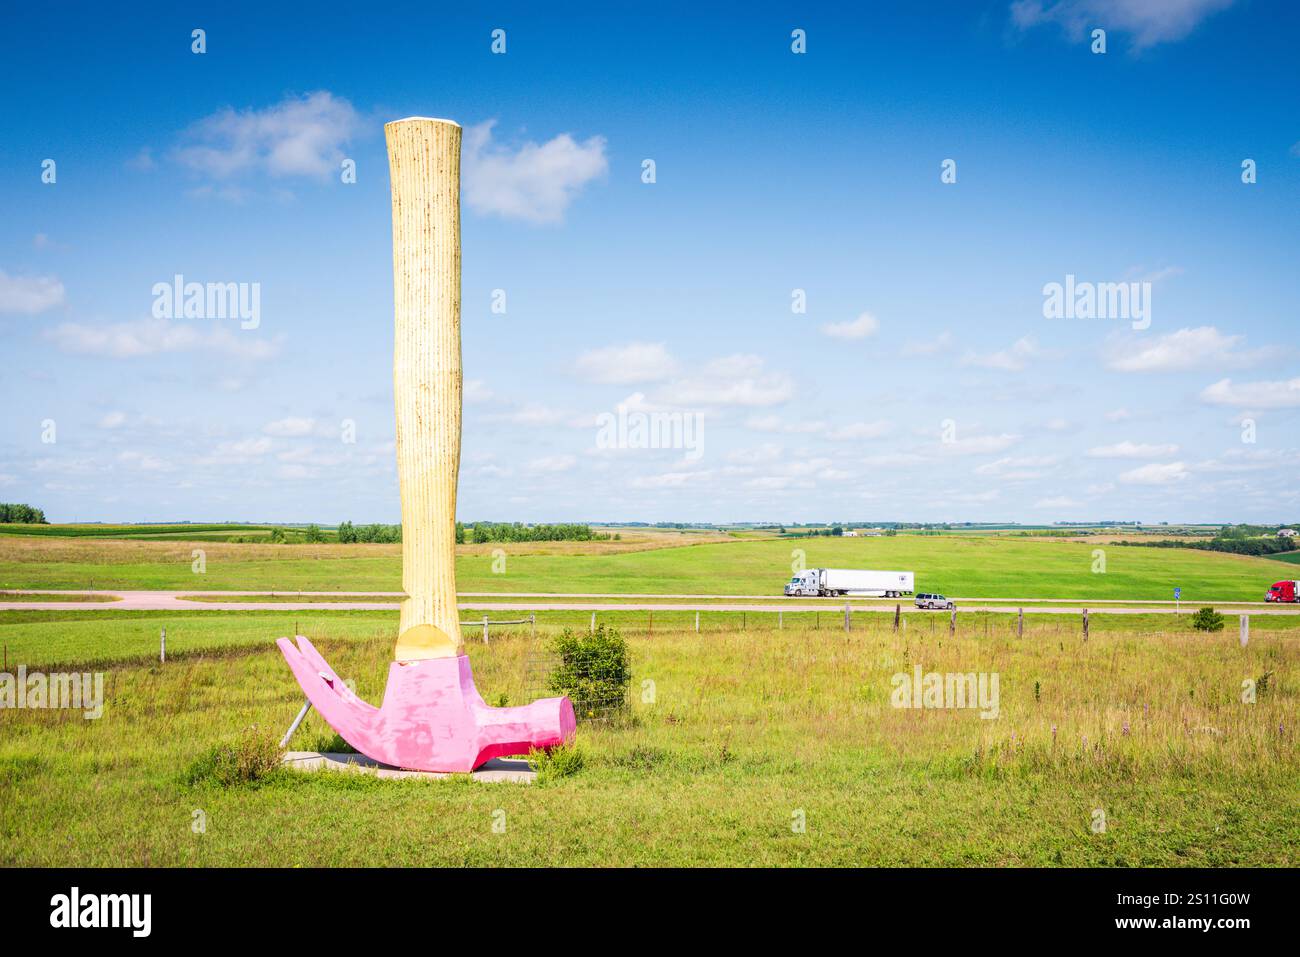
{"x": 432, "y": 717}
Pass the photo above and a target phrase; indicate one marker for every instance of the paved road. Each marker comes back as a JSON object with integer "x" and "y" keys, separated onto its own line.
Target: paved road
{"x": 173, "y": 601}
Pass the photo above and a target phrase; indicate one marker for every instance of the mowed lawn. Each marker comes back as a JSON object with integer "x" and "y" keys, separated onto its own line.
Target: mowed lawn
{"x": 963, "y": 566}
{"x": 735, "y": 738}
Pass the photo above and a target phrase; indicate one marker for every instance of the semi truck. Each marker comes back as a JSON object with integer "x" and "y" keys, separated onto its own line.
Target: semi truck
{"x": 833, "y": 582}
{"x": 1283, "y": 591}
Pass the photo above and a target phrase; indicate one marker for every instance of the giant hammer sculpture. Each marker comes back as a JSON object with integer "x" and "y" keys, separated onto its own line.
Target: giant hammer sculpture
{"x": 432, "y": 717}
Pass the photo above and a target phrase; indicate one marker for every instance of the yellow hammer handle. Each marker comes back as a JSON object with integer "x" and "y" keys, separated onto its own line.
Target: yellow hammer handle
{"x": 424, "y": 164}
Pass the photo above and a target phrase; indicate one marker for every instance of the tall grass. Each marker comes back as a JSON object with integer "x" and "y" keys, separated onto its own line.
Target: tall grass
{"x": 731, "y": 732}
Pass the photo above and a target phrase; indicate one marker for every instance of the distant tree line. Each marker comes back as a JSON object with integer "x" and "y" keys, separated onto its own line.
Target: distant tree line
{"x": 482, "y": 532}
{"x": 479, "y": 533}
{"x": 12, "y": 514}
{"x": 349, "y": 533}
{"x": 1232, "y": 544}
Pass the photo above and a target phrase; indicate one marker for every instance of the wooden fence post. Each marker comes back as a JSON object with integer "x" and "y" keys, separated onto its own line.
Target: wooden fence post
{"x": 780, "y": 620}
{"x": 532, "y": 623}
{"x": 846, "y": 616}
{"x": 697, "y": 621}
{"x": 485, "y": 629}
{"x": 1085, "y": 624}
{"x": 1245, "y": 630}
{"x": 898, "y": 614}
{"x": 162, "y": 646}
{"x": 1020, "y": 624}
{"x": 952, "y": 623}
{"x": 593, "y": 622}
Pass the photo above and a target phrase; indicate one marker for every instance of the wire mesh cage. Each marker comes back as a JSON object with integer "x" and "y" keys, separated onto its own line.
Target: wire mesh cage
{"x": 590, "y": 667}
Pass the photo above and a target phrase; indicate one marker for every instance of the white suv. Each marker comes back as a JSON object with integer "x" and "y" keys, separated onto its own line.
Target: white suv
{"x": 925, "y": 600}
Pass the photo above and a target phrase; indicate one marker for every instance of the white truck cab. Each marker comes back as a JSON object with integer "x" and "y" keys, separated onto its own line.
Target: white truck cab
{"x": 804, "y": 584}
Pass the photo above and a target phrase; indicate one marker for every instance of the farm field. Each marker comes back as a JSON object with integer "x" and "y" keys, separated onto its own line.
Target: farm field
{"x": 746, "y": 729}
{"x": 977, "y": 567}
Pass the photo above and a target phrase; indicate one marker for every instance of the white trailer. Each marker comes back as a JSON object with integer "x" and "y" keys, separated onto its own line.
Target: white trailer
{"x": 834, "y": 582}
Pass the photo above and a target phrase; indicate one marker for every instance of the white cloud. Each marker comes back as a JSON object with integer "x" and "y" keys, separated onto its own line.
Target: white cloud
{"x": 552, "y": 463}
{"x": 1155, "y": 474}
{"x": 535, "y": 183}
{"x": 668, "y": 479}
{"x": 148, "y": 337}
{"x": 842, "y": 433}
{"x": 1118, "y": 415}
{"x": 142, "y": 161}
{"x": 29, "y": 295}
{"x": 532, "y": 413}
{"x": 1150, "y": 22}
{"x": 1132, "y": 450}
{"x": 299, "y": 136}
{"x": 928, "y": 347}
{"x": 1258, "y": 395}
{"x": 476, "y": 390}
{"x": 865, "y": 325}
{"x": 979, "y": 445}
{"x": 290, "y": 427}
{"x": 143, "y": 461}
{"x": 627, "y": 364}
{"x": 767, "y": 452}
{"x": 740, "y": 379}
{"x": 242, "y": 450}
{"x": 860, "y": 430}
{"x": 113, "y": 420}
{"x": 1179, "y": 351}
{"x": 1019, "y": 469}
{"x": 1059, "y": 501}
{"x": 1012, "y": 359}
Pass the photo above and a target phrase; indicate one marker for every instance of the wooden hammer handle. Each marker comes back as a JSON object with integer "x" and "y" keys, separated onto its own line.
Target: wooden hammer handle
{"x": 424, "y": 164}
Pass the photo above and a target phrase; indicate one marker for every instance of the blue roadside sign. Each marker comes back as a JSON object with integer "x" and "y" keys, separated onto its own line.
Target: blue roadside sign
{"x": 1178, "y": 593}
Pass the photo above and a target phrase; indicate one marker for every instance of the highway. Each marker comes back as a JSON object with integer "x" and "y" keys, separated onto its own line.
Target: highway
{"x": 130, "y": 600}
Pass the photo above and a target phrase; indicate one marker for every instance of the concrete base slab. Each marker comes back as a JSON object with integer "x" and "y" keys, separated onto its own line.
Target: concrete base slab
{"x": 496, "y": 771}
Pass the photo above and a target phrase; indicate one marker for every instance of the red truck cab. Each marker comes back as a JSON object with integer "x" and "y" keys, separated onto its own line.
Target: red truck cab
{"x": 1284, "y": 591}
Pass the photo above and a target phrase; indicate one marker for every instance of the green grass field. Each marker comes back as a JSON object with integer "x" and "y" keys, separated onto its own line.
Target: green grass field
{"x": 747, "y": 731}
{"x": 954, "y": 565}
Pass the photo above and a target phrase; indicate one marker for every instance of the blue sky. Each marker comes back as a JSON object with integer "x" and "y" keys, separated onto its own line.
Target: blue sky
{"x": 923, "y": 382}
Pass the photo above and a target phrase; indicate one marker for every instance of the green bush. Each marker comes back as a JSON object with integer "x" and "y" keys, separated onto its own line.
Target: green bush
{"x": 555, "y": 763}
{"x": 593, "y": 670}
{"x": 255, "y": 755}
{"x": 1207, "y": 619}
